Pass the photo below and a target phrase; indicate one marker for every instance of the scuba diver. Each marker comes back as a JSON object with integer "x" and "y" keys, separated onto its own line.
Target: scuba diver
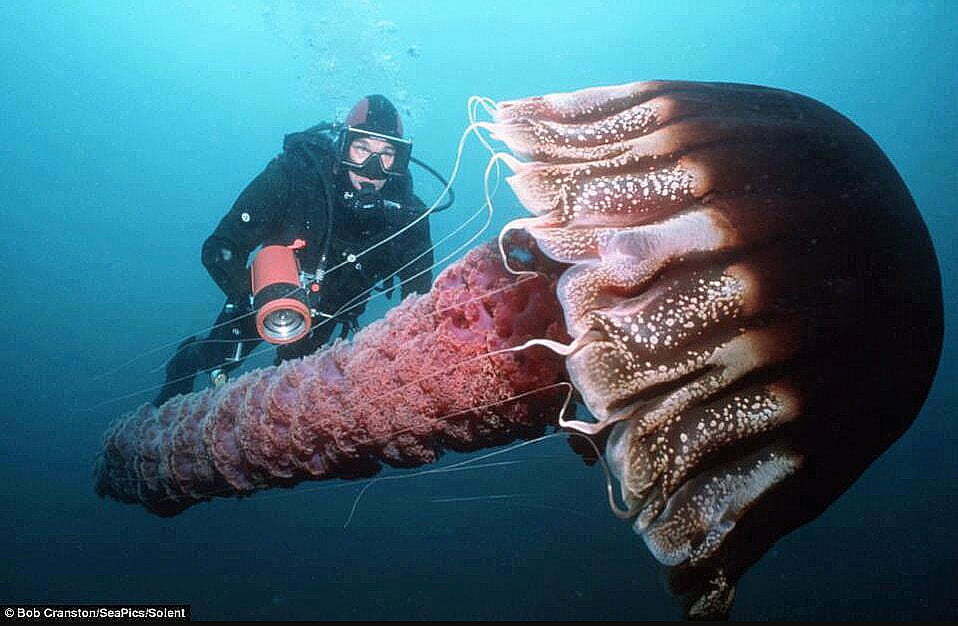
{"x": 334, "y": 191}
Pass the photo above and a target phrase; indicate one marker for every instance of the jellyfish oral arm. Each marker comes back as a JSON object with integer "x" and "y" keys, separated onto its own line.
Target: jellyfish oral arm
{"x": 441, "y": 371}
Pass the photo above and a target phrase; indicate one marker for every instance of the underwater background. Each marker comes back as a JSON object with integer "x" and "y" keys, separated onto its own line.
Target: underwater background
{"x": 127, "y": 129}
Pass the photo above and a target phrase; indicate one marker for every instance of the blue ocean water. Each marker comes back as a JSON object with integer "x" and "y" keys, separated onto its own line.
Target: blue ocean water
{"x": 128, "y": 128}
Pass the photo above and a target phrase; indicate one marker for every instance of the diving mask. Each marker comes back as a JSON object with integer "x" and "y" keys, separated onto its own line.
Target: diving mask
{"x": 374, "y": 155}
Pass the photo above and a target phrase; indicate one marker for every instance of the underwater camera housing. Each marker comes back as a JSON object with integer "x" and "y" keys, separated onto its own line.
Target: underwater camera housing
{"x": 282, "y": 311}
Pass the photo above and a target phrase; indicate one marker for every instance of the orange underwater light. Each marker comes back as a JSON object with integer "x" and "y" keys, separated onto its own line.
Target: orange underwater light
{"x": 282, "y": 314}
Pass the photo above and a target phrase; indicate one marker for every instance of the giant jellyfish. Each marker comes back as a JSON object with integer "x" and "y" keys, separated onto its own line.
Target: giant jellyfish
{"x": 734, "y": 279}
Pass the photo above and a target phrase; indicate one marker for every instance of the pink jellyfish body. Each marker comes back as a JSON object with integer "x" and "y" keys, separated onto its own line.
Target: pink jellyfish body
{"x": 751, "y": 307}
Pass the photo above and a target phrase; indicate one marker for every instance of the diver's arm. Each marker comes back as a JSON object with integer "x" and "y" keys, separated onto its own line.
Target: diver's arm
{"x": 257, "y": 212}
{"x": 414, "y": 242}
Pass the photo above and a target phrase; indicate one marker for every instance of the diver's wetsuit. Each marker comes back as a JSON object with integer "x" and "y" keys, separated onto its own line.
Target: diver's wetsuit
{"x": 301, "y": 195}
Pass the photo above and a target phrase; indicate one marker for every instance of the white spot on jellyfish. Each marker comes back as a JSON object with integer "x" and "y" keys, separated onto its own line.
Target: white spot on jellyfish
{"x": 245, "y": 216}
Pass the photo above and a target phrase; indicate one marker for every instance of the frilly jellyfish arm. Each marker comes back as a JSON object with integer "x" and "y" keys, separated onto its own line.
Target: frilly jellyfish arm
{"x": 756, "y": 299}
{"x": 405, "y": 388}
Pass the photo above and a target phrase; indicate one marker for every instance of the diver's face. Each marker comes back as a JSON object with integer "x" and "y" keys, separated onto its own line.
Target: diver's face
{"x": 367, "y": 147}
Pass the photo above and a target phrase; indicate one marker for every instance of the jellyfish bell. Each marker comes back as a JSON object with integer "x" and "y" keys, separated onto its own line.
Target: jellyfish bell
{"x": 755, "y": 299}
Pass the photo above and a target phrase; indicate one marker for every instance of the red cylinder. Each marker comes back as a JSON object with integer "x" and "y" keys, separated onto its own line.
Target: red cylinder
{"x": 274, "y": 264}
{"x": 282, "y": 314}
